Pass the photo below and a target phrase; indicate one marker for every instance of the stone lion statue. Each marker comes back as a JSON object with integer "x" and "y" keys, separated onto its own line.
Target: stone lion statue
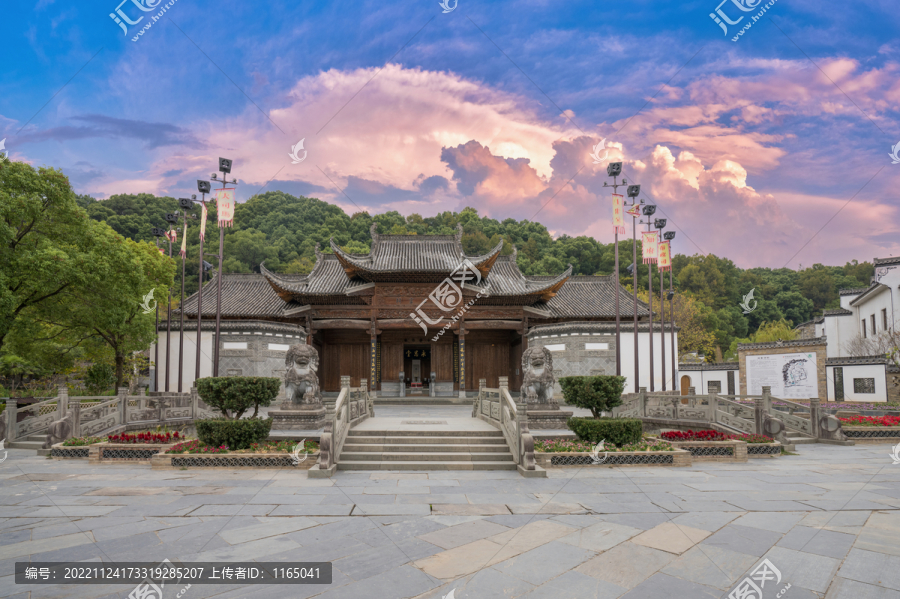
{"x": 301, "y": 379}
{"x": 538, "y": 379}
{"x": 61, "y": 429}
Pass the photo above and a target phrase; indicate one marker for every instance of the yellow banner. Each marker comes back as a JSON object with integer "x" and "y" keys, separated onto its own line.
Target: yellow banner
{"x": 225, "y": 206}
{"x": 650, "y": 246}
{"x": 665, "y": 255}
{"x": 618, "y": 214}
{"x": 184, "y": 240}
{"x": 202, "y": 221}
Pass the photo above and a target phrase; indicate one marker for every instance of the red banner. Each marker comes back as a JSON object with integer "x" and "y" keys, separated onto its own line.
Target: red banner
{"x": 225, "y": 206}
{"x": 618, "y": 214}
{"x": 650, "y": 245}
{"x": 665, "y": 255}
{"x": 634, "y": 211}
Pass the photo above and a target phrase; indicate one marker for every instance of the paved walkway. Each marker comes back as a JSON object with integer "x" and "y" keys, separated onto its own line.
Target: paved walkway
{"x": 827, "y": 519}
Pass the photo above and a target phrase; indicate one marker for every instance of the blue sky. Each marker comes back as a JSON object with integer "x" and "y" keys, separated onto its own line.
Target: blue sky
{"x": 749, "y": 147}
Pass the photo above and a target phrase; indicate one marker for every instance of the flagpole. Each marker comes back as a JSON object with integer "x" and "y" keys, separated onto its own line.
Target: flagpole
{"x": 200, "y": 290}
{"x": 637, "y": 368}
{"x": 168, "y": 321}
{"x": 181, "y": 306}
{"x": 613, "y": 169}
{"x": 662, "y": 327}
{"x": 650, "y": 298}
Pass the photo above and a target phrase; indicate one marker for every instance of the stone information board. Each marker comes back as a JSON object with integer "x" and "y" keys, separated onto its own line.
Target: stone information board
{"x": 791, "y": 376}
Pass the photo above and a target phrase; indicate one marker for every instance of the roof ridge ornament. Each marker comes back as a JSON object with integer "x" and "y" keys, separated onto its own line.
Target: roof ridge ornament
{"x": 459, "y": 232}
{"x": 373, "y": 233}
{"x": 318, "y": 252}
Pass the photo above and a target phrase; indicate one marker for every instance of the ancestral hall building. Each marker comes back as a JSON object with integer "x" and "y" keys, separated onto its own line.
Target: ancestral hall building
{"x": 380, "y": 316}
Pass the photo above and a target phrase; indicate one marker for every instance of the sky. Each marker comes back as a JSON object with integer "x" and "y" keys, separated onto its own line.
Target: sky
{"x": 769, "y": 144}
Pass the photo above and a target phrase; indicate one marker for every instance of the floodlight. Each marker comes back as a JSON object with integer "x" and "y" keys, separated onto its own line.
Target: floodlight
{"x": 614, "y": 169}
{"x": 630, "y": 269}
{"x": 203, "y": 186}
{"x": 225, "y": 165}
{"x": 649, "y": 209}
{"x": 185, "y": 203}
{"x": 669, "y": 235}
{"x": 634, "y": 191}
{"x": 171, "y": 217}
{"x": 207, "y": 266}
{"x": 670, "y": 295}
{"x": 157, "y": 232}
{"x": 659, "y": 223}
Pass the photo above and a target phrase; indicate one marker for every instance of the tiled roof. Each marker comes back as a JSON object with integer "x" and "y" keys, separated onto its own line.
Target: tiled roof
{"x": 505, "y": 280}
{"x": 854, "y": 291}
{"x": 885, "y": 261}
{"x": 403, "y": 254}
{"x": 879, "y": 359}
{"x": 591, "y": 296}
{"x": 794, "y": 343}
{"x": 710, "y": 366}
{"x": 836, "y": 312}
{"x": 243, "y": 296}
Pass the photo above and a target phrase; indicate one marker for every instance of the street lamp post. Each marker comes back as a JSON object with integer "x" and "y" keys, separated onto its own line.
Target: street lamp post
{"x": 170, "y": 218}
{"x": 186, "y": 204}
{"x": 203, "y": 187}
{"x": 660, "y": 224}
{"x": 614, "y": 169}
{"x": 649, "y": 210}
{"x": 633, "y": 191}
{"x": 669, "y": 236}
{"x": 157, "y": 233}
{"x": 225, "y": 169}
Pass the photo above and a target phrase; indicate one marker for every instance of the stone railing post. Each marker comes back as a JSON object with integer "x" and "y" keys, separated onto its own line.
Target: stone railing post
{"x": 76, "y": 418}
{"x": 345, "y": 381}
{"x": 62, "y": 402}
{"x": 123, "y": 404}
{"x": 402, "y": 384}
{"x": 713, "y": 406}
{"x": 195, "y": 403}
{"x": 642, "y": 399}
{"x": 504, "y": 382}
{"x": 482, "y": 383}
{"x": 12, "y": 415}
{"x": 814, "y": 415}
{"x": 759, "y": 415}
{"x": 767, "y": 399}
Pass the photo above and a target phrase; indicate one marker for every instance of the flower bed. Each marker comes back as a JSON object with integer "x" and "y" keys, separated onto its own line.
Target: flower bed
{"x": 148, "y": 437}
{"x": 711, "y": 435}
{"x": 61, "y": 451}
{"x": 882, "y": 421}
{"x": 81, "y": 441}
{"x": 269, "y": 454}
{"x": 872, "y": 434}
{"x": 111, "y": 453}
{"x": 554, "y": 453}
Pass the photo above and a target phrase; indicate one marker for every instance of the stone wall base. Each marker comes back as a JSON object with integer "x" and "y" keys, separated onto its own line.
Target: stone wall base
{"x": 305, "y": 419}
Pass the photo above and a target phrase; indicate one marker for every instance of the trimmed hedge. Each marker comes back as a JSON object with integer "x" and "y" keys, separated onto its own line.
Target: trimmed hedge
{"x": 237, "y": 394}
{"x": 236, "y": 434}
{"x": 619, "y": 431}
{"x": 598, "y": 394}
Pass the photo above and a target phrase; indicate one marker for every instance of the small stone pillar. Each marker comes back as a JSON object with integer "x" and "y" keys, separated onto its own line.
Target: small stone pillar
{"x": 12, "y": 414}
{"x": 402, "y": 384}
{"x": 759, "y": 415}
{"x": 123, "y": 404}
{"x": 62, "y": 402}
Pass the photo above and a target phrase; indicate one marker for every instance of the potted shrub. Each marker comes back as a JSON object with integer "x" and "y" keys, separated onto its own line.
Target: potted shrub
{"x": 233, "y": 396}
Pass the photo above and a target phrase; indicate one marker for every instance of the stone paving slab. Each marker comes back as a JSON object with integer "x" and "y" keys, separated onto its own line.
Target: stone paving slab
{"x": 827, "y": 518}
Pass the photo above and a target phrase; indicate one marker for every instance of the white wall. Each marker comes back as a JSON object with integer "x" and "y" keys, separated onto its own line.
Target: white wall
{"x": 840, "y": 330}
{"x": 190, "y": 356}
{"x": 852, "y": 371}
{"x": 701, "y": 378}
{"x": 644, "y": 360}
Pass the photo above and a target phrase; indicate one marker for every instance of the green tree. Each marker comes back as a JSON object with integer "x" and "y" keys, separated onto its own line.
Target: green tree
{"x": 107, "y": 311}
{"x": 42, "y": 235}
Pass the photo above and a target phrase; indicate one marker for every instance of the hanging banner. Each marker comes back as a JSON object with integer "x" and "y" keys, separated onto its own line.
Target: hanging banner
{"x": 172, "y": 236}
{"x": 650, "y": 244}
{"x": 634, "y": 211}
{"x": 202, "y": 222}
{"x": 665, "y": 255}
{"x": 618, "y": 214}
{"x": 162, "y": 251}
{"x": 184, "y": 240}
{"x": 225, "y": 206}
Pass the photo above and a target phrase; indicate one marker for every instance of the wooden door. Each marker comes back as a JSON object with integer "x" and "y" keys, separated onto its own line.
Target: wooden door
{"x": 685, "y": 384}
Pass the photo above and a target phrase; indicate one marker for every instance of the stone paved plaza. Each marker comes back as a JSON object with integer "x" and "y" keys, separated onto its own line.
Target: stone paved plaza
{"x": 827, "y": 518}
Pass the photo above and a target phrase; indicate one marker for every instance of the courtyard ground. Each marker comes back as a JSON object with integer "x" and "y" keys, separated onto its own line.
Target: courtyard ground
{"x": 827, "y": 519}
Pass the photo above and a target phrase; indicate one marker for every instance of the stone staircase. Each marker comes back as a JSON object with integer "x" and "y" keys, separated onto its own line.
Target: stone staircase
{"x": 31, "y": 442}
{"x": 425, "y": 450}
{"x": 797, "y": 438}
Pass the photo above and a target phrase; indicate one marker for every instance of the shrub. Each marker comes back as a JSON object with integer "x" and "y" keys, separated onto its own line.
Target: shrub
{"x": 234, "y": 395}
{"x": 595, "y": 393}
{"x": 99, "y": 378}
{"x": 236, "y": 434}
{"x": 145, "y": 438}
{"x": 619, "y": 431}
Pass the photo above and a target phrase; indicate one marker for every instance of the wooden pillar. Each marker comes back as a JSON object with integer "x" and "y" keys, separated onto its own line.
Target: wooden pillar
{"x": 462, "y": 358}
{"x": 373, "y": 355}
{"x": 309, "y": 331}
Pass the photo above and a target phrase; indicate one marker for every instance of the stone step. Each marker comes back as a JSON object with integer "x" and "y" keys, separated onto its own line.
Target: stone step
{"x": 425, "y": 466}
{"x": 802, "y": 440}
{"x": 355, "y": 432}
{"x": 455, "y": 456}
{"x": 25, "y": 445}
{"x": 40, "y": 438}
{"x": 428, "y": 447}
{"x": 390, "y": 440}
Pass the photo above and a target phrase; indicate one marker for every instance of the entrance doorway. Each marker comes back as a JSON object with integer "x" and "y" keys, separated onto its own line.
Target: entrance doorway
{"x": 685, "y": 384}
{"x": 417, "y": 366}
